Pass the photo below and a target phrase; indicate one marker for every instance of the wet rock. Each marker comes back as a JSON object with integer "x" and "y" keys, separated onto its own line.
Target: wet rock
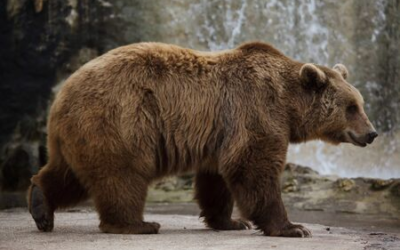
{"x": 184, "y": 182}
{"x": 16, "y": 169}
{"x": 290, "y": 186}
{"x": 380, "y": 184}
{"x": 12, "y": 199}
{"x": 395, "y": 191}
{"x": 168, "y": 184}
{"x": 303, "y": 189}
{"x": 22, "y": 160}
{"x": 302, "y": 170}
{"x": 24, "y": 154}
{"x": 340, "y": 195}
{"x": 345, "y": 184}
{"x": 37, "y": 39}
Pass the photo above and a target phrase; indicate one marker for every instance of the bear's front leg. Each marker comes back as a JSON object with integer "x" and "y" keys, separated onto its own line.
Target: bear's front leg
{"x": 254, "y": 183}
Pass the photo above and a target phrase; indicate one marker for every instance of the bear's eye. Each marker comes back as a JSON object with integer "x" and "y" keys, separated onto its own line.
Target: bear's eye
{"x": 352, "y": 109}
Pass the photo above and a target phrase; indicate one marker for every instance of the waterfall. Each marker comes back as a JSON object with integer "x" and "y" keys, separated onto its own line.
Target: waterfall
{"x": 353, "y": 32}
{"x": 363, "y": 35}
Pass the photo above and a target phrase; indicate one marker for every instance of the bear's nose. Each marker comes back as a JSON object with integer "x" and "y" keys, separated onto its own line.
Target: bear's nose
{"x": 371, "y": 136}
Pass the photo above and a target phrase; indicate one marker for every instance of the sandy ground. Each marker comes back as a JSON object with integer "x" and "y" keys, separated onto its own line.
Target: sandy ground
{"x": 78, "y": 229}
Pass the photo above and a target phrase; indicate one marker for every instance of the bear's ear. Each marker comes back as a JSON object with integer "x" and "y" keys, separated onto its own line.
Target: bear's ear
{"x": 312, "y": 77}
{"x": 342, "y": 70}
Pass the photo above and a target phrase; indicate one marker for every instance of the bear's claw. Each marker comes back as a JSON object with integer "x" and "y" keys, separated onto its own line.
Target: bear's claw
{"x": 242, "y": 224}
{"x": 230, "y": 225}
{"x": 293, "y": 230}
{"x": 40, "y": 212}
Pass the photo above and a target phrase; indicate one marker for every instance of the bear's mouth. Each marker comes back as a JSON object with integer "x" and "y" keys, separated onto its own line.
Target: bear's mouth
{"x": 354, "y": 140}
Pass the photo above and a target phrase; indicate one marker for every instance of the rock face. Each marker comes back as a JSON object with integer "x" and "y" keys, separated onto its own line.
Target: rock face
{"x": 38, "y": 40}
{"x": 305, "y": 190}
{"x": 41, "y": 43}
{"x": 312, "y": 192}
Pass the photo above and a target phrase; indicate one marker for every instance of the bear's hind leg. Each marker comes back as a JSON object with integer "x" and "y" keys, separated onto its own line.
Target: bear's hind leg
{"x": 120, "y": 201}
{"x": 216, "y": 203}
{"x": 55, "y": 186}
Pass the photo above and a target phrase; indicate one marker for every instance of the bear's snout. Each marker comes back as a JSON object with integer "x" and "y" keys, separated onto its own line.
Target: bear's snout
{"x": 362, "y": 140}
{"x": 371, "y": 136}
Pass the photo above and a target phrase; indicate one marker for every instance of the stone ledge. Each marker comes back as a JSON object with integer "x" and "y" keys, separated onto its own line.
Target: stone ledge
{"x": 78, "y": 230}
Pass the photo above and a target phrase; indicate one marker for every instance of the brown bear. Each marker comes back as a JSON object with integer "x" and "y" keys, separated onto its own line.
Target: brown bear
{"x": 149, "y": 110}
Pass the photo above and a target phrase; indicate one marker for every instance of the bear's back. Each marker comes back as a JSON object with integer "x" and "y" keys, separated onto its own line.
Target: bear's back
{"x": 143, "y": 89}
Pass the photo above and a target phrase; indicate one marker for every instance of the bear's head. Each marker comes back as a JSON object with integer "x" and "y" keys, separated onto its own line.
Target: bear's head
{"x": 336, "y": 108}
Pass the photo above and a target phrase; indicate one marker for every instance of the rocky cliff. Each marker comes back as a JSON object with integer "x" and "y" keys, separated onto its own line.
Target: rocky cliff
{"x": 43, "y": 41}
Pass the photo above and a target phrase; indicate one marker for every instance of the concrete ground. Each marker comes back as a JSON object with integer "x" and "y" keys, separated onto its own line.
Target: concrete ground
{"x": 78, "y": 229}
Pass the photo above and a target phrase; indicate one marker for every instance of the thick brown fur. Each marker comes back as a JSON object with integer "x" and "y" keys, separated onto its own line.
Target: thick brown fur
{"x": 149, "y": 110}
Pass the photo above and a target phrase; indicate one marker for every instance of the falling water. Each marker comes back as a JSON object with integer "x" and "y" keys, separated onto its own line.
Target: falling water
{"x": 363, "y": 35}
{"x": 322, "y": 32}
